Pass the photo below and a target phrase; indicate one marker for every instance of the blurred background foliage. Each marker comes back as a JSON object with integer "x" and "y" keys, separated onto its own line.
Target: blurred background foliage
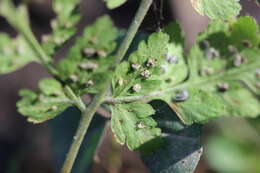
{"x": 232, "y": 144}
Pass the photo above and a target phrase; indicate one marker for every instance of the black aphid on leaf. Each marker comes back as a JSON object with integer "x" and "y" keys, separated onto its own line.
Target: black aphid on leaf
{"x": 135, "y": 66}
{"x": 89, "y": 83}
{"x": 246, "y": 43}
{"x": 257, "y": 73}
{"x": 88, "y": 66}
{"x": 151, "y": 62}
{"x": 120, "y": 81}
{"x": 223, "y": 87}
{"x": 140, "y": 125}
{"x": 146, "y": 74}
{"x": 239, "y": 60}
{"x": 204, "y": 44}
{"x": 206, "y": 71}
{"x": 211, "y": 53}
{"x": 93, "y": 40}
{"x": 54, "y": 108}
{"x": 74, "y": 78}
{"x": 232, "y": 50}
{"x": 180, "y": 95}
{"x": 171, "y": 58}
{"x": 136, "y": 87}
{"x": 102, "y": 53}
{"x": 89, "y": 52}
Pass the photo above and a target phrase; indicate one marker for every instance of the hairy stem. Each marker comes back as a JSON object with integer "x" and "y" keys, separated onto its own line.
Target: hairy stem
{"x": 88, "y": 114}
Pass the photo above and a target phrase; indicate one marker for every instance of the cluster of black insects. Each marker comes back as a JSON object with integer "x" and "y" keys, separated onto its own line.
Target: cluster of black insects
{"x": 237, "y": 60}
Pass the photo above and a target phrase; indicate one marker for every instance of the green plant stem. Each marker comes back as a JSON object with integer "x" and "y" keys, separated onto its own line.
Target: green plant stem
{"x": 229, "y": 75}
{"x": 9, "y": 11}
{"x": 76, "y": 99}
{"x": 86, "y": 118}
{"x": 92, "y": 150}
{"x": 44, "y": 59}
{"x": 98, "y": 99}
{"x": 142, "y": 10}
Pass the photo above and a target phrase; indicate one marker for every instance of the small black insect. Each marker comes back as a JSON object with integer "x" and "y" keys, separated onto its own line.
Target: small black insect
{"x": 204, "y": 44}
{"x": 172, "y": 59}
{"x": 223, "y": 87}
{"x": 181, "y": 95}
{"x": 211, "y": 53}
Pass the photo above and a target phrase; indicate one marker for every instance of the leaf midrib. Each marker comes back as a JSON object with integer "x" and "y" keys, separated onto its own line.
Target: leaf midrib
{"x": 228, "y": 75}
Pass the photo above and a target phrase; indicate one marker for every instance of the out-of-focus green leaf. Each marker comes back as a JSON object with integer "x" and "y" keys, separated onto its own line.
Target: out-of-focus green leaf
{"x": 17, "y": 17}
{"x": 174, "y": 68}
{"x": 64, "y": 9}
{"x": 44, "y": 104}
{"x": 220, "y": 9}
{"x": 63, "y": 25}
{"x": 227, "y": 56}
{"x": 240, "y": 101}
{"x": 132, "y": 125}
{"x": 174, "y": 73}
{"x": 14, "y": 53}
{"x": 114, "y": 3}
{"x": 86, "y": 65}
{"x": 182, "y": 149}
{"x": 244, "y": 31}
{"x": 239, "y": 157}
{"x": 240, "y": 97}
